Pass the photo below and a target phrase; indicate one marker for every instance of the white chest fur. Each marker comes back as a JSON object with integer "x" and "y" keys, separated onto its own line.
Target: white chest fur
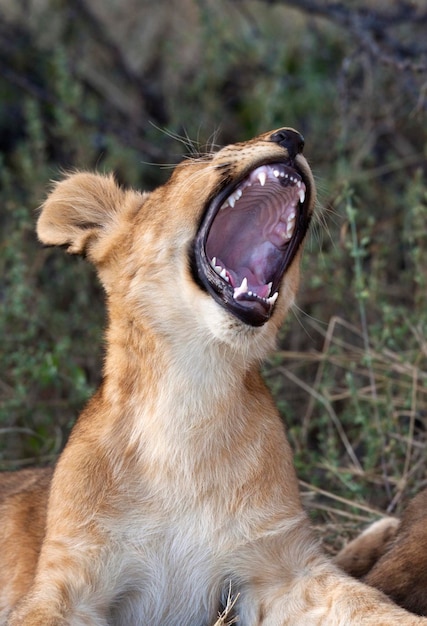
{"x": 174, "y": 572}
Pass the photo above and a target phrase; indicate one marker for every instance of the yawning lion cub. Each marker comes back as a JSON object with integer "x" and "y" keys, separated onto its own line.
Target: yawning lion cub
{"x": 177, "y": 486}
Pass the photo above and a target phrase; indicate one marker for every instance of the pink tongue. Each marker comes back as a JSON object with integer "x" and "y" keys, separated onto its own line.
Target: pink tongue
{"x": 262, "y": 291}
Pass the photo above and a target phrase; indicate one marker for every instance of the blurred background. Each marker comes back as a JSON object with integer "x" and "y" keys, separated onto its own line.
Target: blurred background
{"x": 132, "y": 86}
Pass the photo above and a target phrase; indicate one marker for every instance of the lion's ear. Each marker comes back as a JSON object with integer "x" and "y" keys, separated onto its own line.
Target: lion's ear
{"x": 82, "y": 209}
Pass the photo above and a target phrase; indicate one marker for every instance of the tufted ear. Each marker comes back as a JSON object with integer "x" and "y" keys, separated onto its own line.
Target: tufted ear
{"x": 82, "y": 209}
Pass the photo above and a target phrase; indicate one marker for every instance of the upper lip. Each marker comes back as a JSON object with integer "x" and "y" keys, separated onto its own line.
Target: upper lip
{"x": 287, "y": 213}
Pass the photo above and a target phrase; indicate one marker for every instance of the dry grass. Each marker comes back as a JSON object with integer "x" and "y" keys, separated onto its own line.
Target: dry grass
{"x": 226, "y": 618}
{"x": 371, "y": 403}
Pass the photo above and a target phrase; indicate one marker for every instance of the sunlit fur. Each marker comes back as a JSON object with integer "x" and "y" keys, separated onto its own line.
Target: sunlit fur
{"x": 176, "y": 488}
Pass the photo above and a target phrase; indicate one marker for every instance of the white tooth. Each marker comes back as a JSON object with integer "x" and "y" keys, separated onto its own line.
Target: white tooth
{"x": 234, "y": 197}
{"x": 213, "y": 262}
{"x": 223, "y": 273}
{"x": 269, "y": 288}
{"x": 301, "y": 195}
{"x": 218, "y": 269}
{"x": 242, "y": 289}
{"x": 276, "y": 173}
{"x": 299, "y": 184}
{"x": 273, "y": 298}
{"x": 262, "y": 177}
{"x": 281, "y": 174}
{"x": 290, "y": 224}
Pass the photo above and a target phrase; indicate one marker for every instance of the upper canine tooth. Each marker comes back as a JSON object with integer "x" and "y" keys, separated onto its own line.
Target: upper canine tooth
{"x": 262, "y": 177}
{"x": 301, "y": 194}
{"x": 213, "y": 262}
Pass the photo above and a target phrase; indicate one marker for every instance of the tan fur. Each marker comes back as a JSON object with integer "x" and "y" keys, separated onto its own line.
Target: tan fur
{"x": 177, "y": 486}
{"x": 391, "y": 555}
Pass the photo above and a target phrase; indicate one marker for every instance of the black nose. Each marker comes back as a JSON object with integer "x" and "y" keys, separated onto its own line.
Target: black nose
{"x": 289, "y": 139}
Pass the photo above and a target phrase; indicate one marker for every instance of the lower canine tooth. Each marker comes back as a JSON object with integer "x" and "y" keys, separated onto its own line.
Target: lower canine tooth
{"x": 242, "y": 289}
{"x": 301, "y": 195}
{"x": 273, "y": 298}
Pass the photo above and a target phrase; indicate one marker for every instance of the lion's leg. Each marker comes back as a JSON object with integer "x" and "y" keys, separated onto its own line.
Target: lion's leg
{"x": 332, "y": 599}
{"x": 292, "y": 583}
{"x": 62, "y": 595}
{"x": 73, "y": 586}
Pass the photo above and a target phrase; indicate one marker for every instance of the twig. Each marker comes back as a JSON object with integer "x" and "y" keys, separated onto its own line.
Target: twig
{"x": 333, "y": 496}
{"x": 330, "y": 412}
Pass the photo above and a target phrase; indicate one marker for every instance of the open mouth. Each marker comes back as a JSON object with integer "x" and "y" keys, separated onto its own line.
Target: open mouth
{"x": 248, "y": 238}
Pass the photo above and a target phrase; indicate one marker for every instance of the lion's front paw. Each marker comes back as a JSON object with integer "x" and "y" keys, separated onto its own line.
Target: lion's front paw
{"x": 359, "y": 556}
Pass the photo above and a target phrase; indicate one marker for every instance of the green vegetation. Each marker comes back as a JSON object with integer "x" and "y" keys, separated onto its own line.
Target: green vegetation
{"x": 111, "y": 86}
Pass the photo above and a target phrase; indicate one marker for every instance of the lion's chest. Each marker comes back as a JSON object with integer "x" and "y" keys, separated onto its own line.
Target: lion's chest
{"x": 169, "y": 574}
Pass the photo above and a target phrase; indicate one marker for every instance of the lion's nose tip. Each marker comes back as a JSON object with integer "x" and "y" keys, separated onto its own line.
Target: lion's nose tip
{"x": 289, "y": 139}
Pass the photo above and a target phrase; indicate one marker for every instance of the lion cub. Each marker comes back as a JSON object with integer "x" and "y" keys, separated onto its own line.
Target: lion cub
{"x": 391, "y": 554}
{"x": 177, "y": 486}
